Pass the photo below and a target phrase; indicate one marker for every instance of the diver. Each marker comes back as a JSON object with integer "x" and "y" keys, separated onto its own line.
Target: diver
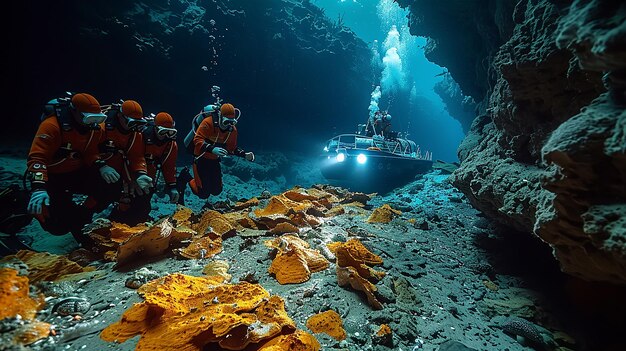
{"x": 161, "y": 152}
{"x": 379, "y": 124}
{"x": 384, "y": 126}
{"x": 215, "y": 137}
{"x": 64, "y": 161}
{"x": 122, "y": 149}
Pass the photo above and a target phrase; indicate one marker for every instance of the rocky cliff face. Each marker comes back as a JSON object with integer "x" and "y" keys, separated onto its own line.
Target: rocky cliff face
{"x": 271, "y": 58}
{"x": 460, "y": 106}
{"x": 547, "y": 153}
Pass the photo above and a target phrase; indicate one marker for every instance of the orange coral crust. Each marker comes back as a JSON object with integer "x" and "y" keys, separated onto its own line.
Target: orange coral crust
{"x": 328, "y": 322}
{"x": 383, "y": 214}
{"x": 383, "y": 330}
{"x": 121, "y": 232}
{"x": 217, "y": 269}
{"x": 30, "y": 332}
{"x": 360, "y": 253}
{"x": 241, "y": 220}
{"x": 283, "y": 228}
{"x": 214, "y": 221}
{"x": 121, "y": 243}
{"x": 300, "y": 207}
{"x": 187, "y": 313}
{"x": 271, "y": 221}
{"x": 281, "y": 205}
{"x": 153, "y": 241}
{"x": 335, "y": 211}
{"x": 14, "y": 297}
{"x": 203, "y": 247}
{"x": 295, "y": 261}
{"x": 354, "y": 254}
{"x": 247, "y": 204}
{"x": 299, "y": 195}
{"x": 349, "y": 276}
{"x": 298, "y": 341}
{"x": 290, "y": 268}
{"x": 357, "y": 197}
{"x": 302, "y": 219}
{"x": 182, "y": 216}
{"x": 321, "y": 194}
{"x": 43, "y": 266}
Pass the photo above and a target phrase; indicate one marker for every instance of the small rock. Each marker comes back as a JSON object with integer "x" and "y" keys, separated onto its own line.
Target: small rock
{"x": 421, "y": 224}
{"x": 140, "y": 277}
{"x": 71, "y": 306}
{"x": 385, "y": 294}
{"x": 455, "y": 199}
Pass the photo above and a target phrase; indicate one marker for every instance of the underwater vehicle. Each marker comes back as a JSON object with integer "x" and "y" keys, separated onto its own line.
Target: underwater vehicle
{"x": 370, "y": 158}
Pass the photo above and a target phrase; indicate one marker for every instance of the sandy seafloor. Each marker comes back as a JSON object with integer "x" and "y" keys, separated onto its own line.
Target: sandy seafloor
{"x": 443, "y": 280}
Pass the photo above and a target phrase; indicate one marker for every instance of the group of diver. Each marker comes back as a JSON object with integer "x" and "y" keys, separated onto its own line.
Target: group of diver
{"x": 378, "y": 125}
{"x": 114, "y": 155}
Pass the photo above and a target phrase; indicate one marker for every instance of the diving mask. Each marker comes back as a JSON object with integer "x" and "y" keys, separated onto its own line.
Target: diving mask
{"x": 229, "y": 122}
{"x": 134, "y": 124}
{"x": 93, "y": 118}
{"x": 169, "y": 133}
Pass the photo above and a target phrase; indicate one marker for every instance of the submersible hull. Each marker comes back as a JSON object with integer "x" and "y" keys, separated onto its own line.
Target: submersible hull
{"x": 356, "y": 159}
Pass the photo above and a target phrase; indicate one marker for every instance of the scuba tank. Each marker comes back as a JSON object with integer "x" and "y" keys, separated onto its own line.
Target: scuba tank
{"x": 197, "y": 119}
{"x": 195, "y": 123}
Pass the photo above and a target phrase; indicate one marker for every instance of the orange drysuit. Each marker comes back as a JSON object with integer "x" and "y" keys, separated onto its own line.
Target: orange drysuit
{"x": 124, "y": 151}
{"x": 209, "y": 135}
{"x": 158, "y": 154}
{"x": 207, "y": 179}
{"x": 60, "y": 151}
{"x": 61, "y": 162}
{"x": 164, "y": 155}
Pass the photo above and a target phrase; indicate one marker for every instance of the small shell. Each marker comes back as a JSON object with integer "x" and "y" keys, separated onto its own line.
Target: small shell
{"x": 140, "y": 277}
{"x": 72, "y": 306}
{"x": 134, "y": 283}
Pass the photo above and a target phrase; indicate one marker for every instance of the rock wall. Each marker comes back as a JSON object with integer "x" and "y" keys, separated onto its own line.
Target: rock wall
{"x": 547, "y": 153}
{"x": 274, "y": 59}
{"x": 461, "y": 107}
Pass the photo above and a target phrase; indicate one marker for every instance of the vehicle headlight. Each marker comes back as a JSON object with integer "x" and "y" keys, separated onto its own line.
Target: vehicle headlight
{"x": 341, "y": 157}
{"x": 361, "y": 159}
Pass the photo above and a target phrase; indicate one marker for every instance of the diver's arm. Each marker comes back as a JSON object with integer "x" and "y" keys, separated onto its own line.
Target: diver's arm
{"x": 201, "y": 140}
{"x": 136, "y": 156}
{"x": 45, "y": 144}
{"x": 168, "y": 165}
{"x": 243, "y": 154}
